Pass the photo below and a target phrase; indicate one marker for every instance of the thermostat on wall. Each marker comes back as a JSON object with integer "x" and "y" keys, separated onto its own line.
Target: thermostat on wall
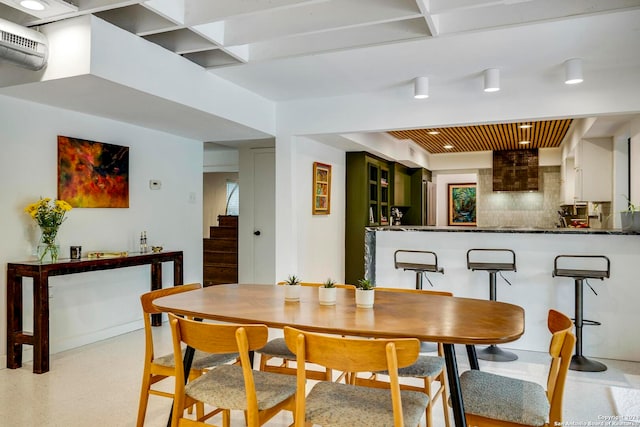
{"x": 155, "y": 184}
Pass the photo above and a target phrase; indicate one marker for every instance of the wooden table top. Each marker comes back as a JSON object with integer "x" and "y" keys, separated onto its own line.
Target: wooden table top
{"x": 395, "y": 314}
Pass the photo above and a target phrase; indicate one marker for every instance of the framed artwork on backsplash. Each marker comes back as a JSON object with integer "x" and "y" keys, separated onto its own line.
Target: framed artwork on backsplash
{"x": 92, "y": 174}
{"x": 462, "y": 204}
{"x": 321, "y": 189}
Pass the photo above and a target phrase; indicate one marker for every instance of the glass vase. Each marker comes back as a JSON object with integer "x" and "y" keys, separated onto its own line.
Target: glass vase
{"x": 48, "y": 247}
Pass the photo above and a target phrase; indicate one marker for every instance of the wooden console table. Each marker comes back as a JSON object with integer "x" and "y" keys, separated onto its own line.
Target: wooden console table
{"x": 40, "y": 273}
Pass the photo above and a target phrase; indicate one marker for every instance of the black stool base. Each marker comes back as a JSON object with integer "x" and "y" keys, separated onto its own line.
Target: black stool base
{"x": 496, "y": 354}
{"x": 581, "y": 363}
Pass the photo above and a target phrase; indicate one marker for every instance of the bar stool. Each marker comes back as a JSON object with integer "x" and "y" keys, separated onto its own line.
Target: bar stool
{"x": 578, "y": 361}
{"x": 414, "y": 263}
{"x": 493, "y": 352}
{"x": 420, "y": 262}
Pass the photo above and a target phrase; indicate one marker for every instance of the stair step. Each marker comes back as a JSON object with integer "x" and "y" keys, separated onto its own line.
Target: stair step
{"x": 228, "y": 244}
{"x": 228, "y": 220}
{"x": 215, "y": 232}
{"x": 220, "y": 273}
{"x": 220, "y": 257}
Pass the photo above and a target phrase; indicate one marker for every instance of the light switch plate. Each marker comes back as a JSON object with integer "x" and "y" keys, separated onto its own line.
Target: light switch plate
{"x": 155, "y": 184}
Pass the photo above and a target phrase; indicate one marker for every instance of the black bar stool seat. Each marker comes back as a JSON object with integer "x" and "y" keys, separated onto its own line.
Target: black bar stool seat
{"x": 578, "y": 361}
{"x": 478, "y": 263}
{"x": 407, "y": 260}
{"x": 420, "y": 262}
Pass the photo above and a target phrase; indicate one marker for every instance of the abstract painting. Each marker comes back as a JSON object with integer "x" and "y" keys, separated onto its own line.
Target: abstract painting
{"x": 462, "y": 204}
{"x": 92, "y": 174}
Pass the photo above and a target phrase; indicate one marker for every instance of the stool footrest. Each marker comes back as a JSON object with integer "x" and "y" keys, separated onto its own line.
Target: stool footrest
{"x": 586, "y": 322}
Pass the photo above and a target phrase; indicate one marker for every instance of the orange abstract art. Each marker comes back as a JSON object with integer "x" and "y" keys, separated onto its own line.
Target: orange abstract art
{"x": 92, "y": 174}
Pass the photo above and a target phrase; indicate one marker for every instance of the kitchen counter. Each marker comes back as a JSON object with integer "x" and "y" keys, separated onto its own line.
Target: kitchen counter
{"x": 534, "y": 288}
{"x": 505, "y": 229}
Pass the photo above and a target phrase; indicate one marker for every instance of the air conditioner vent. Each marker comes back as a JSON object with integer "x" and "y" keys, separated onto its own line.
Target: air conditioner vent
{"x": 23, "y": 46}
{"x": 19, "y": 41}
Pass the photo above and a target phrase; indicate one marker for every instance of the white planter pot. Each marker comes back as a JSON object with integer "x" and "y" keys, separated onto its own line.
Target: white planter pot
{"x": 630, "y": 221}
{"x": 365, "y": 298}
{"x": 327, "y": 296}
{"x": 292, "y": 292}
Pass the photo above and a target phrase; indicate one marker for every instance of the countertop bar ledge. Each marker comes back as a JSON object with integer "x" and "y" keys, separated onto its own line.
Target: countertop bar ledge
{"x": 505, "y": 229}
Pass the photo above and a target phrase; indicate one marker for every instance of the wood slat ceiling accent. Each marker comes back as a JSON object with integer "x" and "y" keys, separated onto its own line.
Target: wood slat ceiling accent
{"x": 502, "y": 136}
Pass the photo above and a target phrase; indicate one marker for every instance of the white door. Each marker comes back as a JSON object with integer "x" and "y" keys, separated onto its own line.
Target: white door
{"x": 264, "y": 222}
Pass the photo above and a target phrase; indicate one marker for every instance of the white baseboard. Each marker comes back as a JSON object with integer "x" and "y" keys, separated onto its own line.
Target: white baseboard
{"x": 78, "y": 341}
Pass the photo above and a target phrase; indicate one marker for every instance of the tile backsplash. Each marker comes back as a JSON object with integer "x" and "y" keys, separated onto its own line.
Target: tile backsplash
{"x": 519, "y": 208}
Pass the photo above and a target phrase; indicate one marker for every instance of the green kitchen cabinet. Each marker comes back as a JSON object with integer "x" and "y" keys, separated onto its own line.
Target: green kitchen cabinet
{"x": 368, "y": 204}
{"x": 401, "y": 186}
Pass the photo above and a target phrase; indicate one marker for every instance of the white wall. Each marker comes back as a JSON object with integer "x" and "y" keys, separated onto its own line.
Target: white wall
{"x": 634, "y": 132}
{"x": 214, "y": 198}
{"x": 87, "y": 307}
{"x": 319, "y": 235}
{"x": 621, "y": 172}
{"x": 221, "y": 160}
{"x": 442, "y": 180}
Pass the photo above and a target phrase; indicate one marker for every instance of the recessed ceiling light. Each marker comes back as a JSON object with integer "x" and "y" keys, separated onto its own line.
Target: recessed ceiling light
{"x": 433, "y": 132}
{"x": 448, "y": 147}
{"x": 33, "y": 4}
{"x": 525, "y": 126}
{"x": 525, "y": 142}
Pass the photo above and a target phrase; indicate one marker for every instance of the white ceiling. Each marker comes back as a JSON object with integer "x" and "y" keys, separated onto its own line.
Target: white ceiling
{"x": 296, "y": 49}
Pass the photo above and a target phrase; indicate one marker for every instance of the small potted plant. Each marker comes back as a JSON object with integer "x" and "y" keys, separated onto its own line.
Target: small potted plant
{"x": 292, "y": 288}
{"x": 630, "y": 218}
{"x": 327, "y": 293}
{"x": 365, "y": 293}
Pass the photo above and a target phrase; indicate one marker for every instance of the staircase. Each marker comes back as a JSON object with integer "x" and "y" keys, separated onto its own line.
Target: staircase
{"x": 220, "y": 252}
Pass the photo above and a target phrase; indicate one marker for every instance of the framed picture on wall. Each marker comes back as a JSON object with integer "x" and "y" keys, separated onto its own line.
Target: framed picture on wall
{"x": 321, "y": 189}
{"x": 92, "y": 174}
{"x": 462, "y": 204}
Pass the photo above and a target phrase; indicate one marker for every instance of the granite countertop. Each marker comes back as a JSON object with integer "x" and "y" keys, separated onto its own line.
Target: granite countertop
{"x": 507, "y": 229}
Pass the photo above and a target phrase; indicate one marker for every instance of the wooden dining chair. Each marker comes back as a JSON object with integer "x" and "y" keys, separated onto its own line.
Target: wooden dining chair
{"x": 261, "y": 395}
{"x": 429, "y": 369}
{"x": 276, "y": 350}
{"x": 495, "y": 400}
{"x": 350, "y": 405}
{"x": 159, "y": 368}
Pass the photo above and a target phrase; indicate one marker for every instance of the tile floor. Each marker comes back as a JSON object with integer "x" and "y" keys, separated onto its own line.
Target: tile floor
{"x": 98, "y": 385}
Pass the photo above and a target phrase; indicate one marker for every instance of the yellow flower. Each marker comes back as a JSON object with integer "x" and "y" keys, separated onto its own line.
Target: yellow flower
{"x": 47, "y": 215}
{"x": 63, "y": 206}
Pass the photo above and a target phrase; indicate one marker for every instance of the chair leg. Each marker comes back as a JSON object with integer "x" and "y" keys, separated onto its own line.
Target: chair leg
{"x": 144, "y": 398}
{"x": 427, "y": 391}
{"x": 263, "y": 361}
{"x": 444, "y": 396}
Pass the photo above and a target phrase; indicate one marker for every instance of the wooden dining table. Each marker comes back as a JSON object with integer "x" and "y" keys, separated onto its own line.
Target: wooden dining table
{"x": 449, "y": 320}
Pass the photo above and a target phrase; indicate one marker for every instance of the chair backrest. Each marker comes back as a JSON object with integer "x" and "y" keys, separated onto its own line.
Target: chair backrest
{"x": 148, "y": 309}
{"x": 560, "y": 350}
{"x": 350, "y": 355}
{"x": 218, "y": 338}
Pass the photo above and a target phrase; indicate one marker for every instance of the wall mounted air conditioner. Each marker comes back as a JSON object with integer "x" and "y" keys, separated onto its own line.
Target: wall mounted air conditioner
{"x": 23, "y": 46}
